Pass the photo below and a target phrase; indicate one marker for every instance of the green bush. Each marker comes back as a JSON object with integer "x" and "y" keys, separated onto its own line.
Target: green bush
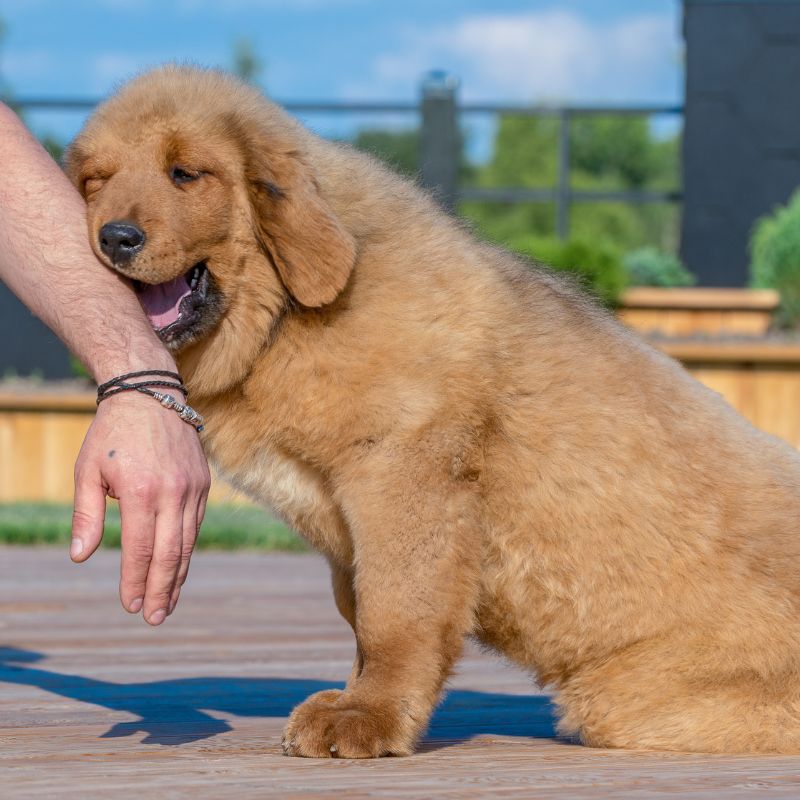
{"x": 775, "y": 258}
{"x": 597, "y": 266}
{"x": 77, "y": 369}
{"x": 650, "y": 267}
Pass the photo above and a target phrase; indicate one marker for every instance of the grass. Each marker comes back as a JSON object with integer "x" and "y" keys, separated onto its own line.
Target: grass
{"x": 226, "y": 527}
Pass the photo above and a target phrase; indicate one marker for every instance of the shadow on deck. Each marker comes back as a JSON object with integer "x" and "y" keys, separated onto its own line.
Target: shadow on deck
{"x": 175, "y": 712}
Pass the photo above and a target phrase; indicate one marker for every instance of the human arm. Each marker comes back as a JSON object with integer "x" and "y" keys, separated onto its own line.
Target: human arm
{"x": 135, "y": 450}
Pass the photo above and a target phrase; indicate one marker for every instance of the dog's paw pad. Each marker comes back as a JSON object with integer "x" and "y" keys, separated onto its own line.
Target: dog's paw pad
{"x": 333, "y": 725}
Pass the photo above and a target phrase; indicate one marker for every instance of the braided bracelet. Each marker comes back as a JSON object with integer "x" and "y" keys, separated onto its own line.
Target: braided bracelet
{"x": 119, "y": 384}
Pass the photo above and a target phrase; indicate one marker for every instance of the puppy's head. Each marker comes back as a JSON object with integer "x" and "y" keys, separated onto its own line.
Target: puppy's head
{"x": 202, "y": 193}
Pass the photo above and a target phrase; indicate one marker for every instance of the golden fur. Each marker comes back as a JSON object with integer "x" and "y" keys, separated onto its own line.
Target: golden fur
{"x": 475, "y": 447}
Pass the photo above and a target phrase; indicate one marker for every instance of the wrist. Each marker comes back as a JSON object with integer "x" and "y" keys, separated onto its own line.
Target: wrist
{"x": 156, "y": 358}
{"x": 164, "y": 387}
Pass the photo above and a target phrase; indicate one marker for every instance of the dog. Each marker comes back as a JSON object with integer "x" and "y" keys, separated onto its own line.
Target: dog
{"x": 477, "y": 448}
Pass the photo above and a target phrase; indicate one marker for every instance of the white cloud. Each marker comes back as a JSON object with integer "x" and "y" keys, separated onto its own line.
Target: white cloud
{"x": 551, "y": 54}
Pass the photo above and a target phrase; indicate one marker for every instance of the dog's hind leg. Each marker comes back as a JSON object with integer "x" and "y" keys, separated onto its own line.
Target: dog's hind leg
{"x": 630, "y": 702}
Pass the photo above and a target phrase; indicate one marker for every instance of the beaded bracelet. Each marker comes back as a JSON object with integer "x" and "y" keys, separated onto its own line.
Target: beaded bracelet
{"x": 119, "y": 384}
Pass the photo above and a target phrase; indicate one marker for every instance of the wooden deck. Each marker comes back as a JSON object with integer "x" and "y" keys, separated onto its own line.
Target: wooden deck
{"x": 94, "y": 704}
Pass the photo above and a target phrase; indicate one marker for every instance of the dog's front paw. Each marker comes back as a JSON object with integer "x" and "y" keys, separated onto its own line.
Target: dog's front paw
{"x": 335, "y": 724}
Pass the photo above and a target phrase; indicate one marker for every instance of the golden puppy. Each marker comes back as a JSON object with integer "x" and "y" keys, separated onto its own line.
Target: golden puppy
{"x": 475, "y": 447}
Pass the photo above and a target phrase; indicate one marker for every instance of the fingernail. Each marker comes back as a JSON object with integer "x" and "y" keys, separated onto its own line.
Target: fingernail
{"x": 157, "y": 617}
{"x": 76, "y": 548}
{"x": 136, "y": 606}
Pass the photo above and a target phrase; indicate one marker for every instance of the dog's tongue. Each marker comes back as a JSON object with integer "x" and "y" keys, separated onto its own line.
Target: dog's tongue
{"x": 161, "y": 302}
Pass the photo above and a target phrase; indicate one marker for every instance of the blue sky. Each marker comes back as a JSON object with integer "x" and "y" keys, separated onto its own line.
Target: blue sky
{"x": 619, "y": 51}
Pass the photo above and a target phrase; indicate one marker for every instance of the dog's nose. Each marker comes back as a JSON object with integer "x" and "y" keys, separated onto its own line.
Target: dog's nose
{"x": 121, "y": 241}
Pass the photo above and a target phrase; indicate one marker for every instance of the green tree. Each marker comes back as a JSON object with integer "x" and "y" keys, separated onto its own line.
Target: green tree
{"x": 246, "y": 63}
{"x": 606, "y": 152}
{"x": 398, "y": 149}
{"x": 525, "y": 153}
{"x": 616, "y": 148}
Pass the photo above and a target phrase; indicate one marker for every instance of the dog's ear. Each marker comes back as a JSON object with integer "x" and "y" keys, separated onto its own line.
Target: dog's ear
{"x": 312, "y": 251}
{"x": 72, "y": 162}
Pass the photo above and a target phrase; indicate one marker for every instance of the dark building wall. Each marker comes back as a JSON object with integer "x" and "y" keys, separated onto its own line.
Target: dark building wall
{"x": 741, "y": 151}
{"x": 26, "y": 345}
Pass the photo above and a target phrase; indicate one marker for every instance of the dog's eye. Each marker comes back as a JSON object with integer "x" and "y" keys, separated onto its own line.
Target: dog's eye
{"x": 179, "y": 175}
{"x": 92, "y": 185}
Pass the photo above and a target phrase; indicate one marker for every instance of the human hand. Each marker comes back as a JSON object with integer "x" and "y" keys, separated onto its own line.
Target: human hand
{"x": 150, "y": 460}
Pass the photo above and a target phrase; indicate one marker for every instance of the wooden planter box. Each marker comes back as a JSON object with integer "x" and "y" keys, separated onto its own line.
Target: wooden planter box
{"x": 688, "y": 312}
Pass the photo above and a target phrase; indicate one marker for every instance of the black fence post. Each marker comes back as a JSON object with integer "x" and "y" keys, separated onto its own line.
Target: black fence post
{"x": 563, "y": 189}
{"x": 440, "y": 142}
{"x": 740, "y": 141}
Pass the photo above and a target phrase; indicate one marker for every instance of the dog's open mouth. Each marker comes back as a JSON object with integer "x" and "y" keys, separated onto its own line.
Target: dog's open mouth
{"x": 175, "y": 306}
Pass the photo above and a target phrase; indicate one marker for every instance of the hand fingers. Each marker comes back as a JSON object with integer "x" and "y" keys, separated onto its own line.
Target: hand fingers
{"x": 88, "y": 515}
{"x": 166, "y": 562}
{"x": 192, "y": 514}
{"x": 191, "y": 530}
{"x": 201, "y": 505}
{"x": 138, "y": 517}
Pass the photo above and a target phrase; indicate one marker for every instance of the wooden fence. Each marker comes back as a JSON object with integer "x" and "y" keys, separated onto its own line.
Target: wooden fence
{"x": 41, "y": 434}
{"x": 760, "y": 380}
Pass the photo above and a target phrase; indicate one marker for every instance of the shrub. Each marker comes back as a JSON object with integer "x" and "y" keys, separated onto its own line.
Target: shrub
{"x": 775, "y": 258}
{"x": 77, "y": 369}
{"x": 597, "y": 266}
{"x": 650, "y": 267}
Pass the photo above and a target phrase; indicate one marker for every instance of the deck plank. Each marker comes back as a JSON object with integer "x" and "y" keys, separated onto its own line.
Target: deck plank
{"x": 93, "y": 703}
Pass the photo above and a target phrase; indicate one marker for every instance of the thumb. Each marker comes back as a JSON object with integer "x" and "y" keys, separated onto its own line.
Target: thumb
{"x": 88, "y": 515}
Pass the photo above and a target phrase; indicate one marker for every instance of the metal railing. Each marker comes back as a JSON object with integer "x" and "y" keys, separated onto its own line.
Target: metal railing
{"x": 439, "y": 114}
